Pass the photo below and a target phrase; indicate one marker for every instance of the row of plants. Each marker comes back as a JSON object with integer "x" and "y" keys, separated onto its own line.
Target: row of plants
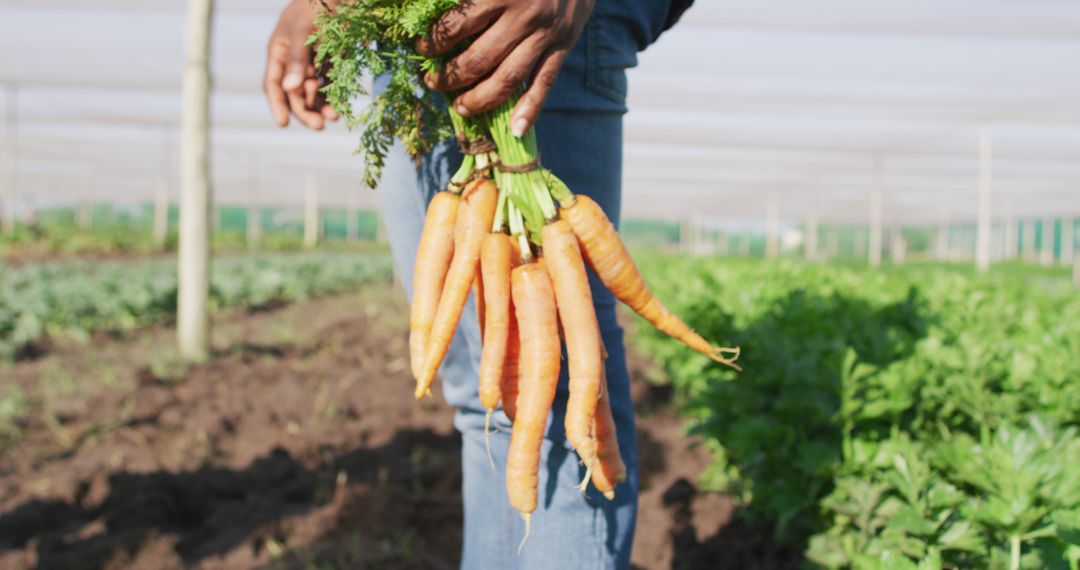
{"x": 56, "y": 233}
{"x": 915, "y": 418}
{"x": 79, "y": 297}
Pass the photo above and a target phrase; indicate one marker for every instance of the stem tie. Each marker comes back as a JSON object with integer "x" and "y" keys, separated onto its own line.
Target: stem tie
{"x": 479, "y": 145}
{"x": 530, "y": 166}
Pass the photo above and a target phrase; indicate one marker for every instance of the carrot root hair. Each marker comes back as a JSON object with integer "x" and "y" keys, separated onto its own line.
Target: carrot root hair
{"x": 719, "y": 354}
{"x": 584, "y": 485}
{"x": 527, "y": 518}
{"x": 487, "y": 437}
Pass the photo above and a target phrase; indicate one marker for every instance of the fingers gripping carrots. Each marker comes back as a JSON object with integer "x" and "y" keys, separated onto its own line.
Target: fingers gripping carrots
{"x": 464, "y": 244}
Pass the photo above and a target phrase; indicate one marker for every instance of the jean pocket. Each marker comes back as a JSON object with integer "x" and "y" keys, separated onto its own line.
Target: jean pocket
{"x": 609, "y": 51}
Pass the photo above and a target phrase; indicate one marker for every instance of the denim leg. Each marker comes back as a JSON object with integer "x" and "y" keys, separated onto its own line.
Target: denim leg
{"x": 569, "y": 530}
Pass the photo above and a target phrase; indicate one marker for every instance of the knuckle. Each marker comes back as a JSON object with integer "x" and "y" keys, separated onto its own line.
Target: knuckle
{"x": 543, "y": 15}
{"x": 476, "y": 63}
{"x": 513, "y": 76}
{"x": 545, "y": 79}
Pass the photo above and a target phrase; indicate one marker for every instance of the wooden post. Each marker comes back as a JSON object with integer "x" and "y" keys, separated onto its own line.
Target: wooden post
{"x": 380, "y": 228}
{"x": 832, "y": 243}
{"x": 352, "y": 224}
{"x": 253, "y": 229}
{"x": 161, "y": 210}
{"x": 898, "y": 246}
{"x": 29, "y": 213}
{"x": 253, "y": 225}
{"x": 982, "y": 230}
{"x": 1076, "y": 272}
{"x": 772, "y": 227}
{"x": 84, "y": 214}
{"x": 1046, "y": 254}
{"x": 1027, "y": 246}
{"x": 941, "y": 242}
{"x": 311, "y": 211}
{"x": 876, "y": 229}
{"x": 193, "y": 317}
{"x": 810, "y": 248}
{"x": 9, "y": 194}
{"x": 1068, "y": 241}
{"x": 1010, "y": 249}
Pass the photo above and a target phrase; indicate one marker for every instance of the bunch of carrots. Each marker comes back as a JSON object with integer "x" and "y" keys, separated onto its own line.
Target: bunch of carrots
{"x": 502, "y": 236}
{"x": 512, "y": 232}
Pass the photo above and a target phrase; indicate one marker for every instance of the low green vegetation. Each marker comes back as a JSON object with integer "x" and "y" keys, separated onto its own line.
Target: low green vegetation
{"x": 113, "y": 230}
{"x": 79, "y": 297}
{"x": 917, "y": 417}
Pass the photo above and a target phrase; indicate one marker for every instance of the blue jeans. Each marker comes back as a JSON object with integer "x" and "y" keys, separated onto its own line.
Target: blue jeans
{"x": 580, "y": 134}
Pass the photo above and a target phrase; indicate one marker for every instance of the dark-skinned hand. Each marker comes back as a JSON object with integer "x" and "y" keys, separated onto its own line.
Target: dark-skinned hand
{"x": 513, "y": 41}
{"x": 291, "y": 81}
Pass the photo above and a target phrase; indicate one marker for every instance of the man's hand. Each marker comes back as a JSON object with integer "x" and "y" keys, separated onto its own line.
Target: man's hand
{"x": 291, "y": 82}
{"x": 515, "y": 40}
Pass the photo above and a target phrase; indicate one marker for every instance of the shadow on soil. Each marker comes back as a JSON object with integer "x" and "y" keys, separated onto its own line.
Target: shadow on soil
{"x": 411, "y": 481}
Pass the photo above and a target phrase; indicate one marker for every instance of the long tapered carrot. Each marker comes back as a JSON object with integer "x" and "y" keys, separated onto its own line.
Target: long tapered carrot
{"x": 432, "y": 263}
{"x": 577, "y": 315}
{"x": 607, "y": 255}
{"x": 609, "y": 469}
{"x": 534, "y": 304}
{"x": 475, "y": 214}
{"x": 495, "y": 261}
{"x": 508, "y": 384}
{"x": 495, "y": 271}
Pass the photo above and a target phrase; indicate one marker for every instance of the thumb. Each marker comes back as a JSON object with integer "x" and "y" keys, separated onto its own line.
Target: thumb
{"x": 296, "y": 61}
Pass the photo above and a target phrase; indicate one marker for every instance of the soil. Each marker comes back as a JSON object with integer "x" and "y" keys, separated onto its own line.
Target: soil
{"x": 298, "y": 445}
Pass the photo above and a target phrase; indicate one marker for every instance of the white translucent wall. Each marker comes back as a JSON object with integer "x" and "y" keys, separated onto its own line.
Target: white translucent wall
{"x": 742, "y": 101}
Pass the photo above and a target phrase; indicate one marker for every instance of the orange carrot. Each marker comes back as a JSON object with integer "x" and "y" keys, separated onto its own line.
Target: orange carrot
{"x": 578, "y": 318}
{"x": 474, "y": 218}
{"x": 508, "y": 384}
{"x": 495, "y": 252}
{"x": 607, "y": 255}
{"x": 432, "y": 262}
{"x": 480, "y": 302}
{"x": 534, "y": 303}
{"x": 609, "y": 470}
{"x": 495, "y": 271}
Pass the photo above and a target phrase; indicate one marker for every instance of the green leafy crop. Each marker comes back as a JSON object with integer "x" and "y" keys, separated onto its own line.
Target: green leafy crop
{"x": 921, "y": 419}
{"x": 80, "y": 297}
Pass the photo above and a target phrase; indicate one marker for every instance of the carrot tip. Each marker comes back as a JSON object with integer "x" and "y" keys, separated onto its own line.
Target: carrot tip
{"x": 609, "y": 495}
{"x": 584, "y": 485}
{"x": 527, "y": 517}
{"x": 426, "y": 393}
{"x": 719, "y": 355}
{"x": 487, "y": 438}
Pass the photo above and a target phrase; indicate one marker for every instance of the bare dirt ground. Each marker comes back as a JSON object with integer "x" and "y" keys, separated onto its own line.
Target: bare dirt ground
{"x": 298, "y": 446}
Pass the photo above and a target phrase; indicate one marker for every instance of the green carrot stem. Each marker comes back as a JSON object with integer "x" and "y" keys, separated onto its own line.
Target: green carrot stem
{"x": 527, "y": 190}
{"x": 559, "y": 190}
